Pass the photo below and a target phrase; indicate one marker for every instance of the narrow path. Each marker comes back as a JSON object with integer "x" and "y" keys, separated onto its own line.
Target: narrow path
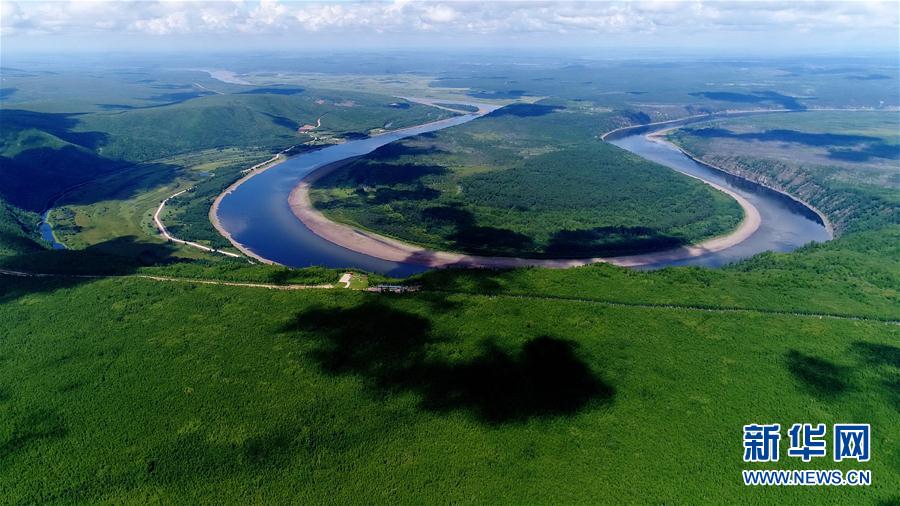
{"x": 204, "y": 88}
{"x": 524, "y": 296}
{"x": 270, "y": 286}
{"x": 247, "y": 174}
{"x": 165, "y": 233}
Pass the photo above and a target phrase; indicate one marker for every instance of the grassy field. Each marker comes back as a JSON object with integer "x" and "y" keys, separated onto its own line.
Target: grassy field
{"x": 845, "y": 163}
{"x": 134, "y": 391}
{"x": 122, "y": 204}
{"x": 527, "y": 180}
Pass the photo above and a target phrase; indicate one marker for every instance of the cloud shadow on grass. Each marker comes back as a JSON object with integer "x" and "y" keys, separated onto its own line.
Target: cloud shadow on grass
{"x": 877, "y": 354}
{"x": 820, "y": 377}
{"x": 611, "y": 241}
{"x": 394, "y": 350}
{"x": 33, "y": 428}
{"x": 844, "y": 147}
{"x": 68, "y": 268}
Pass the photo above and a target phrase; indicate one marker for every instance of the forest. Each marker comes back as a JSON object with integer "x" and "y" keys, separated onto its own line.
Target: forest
{"x": 530, "y": 180}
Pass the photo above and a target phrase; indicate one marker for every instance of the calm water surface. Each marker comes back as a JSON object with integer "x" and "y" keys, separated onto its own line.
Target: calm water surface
{"x": 258, "y": 216}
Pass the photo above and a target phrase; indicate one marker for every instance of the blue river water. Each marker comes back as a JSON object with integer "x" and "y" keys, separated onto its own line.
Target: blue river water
{"x": 258, "y": 216}
{"x": 47, "y": 232}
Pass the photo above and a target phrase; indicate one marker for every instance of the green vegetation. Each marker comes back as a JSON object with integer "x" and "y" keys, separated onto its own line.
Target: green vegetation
{"x": 458, "y": 107}
{"x": 130, "y": 390}
{"x": 527, "y": 180}
{"x": 17, "y": 230}
{"x": 530, "y": 386}
{"x": 844, "y": 163}
{"x": 106, "y": 169}
{"x": 858, "y": 274}
{"x": 72, "y": 148}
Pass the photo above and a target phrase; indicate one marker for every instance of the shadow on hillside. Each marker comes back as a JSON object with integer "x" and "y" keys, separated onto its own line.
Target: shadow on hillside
{"x": 525, "y": 110}
{"x": 611, "y": 241}
{"x": 116, "y": 257}
{"x": 496, "y": 94}
{"x": 283, "y": 121}
{"x": 865, "y": 147}
{"x": 61, "y": 125}
{"x": 163, "y": 99}
{"x": 396, "y": 149}
{"x": 877, "y": 354}
{"x": 67, "y": 166}
{"x": 367, "y": 173}
{"x": 757, "y": 97}
{"x": 128, "y": 182}
{"x": 394, "y": 350}
{"x": 820, "y": 377}
{"x": 885, "y": 360}
{"x": 286, "y": 90}
{"x": 460, "y": 228}
{"x": 34, "y": 177}
{"x": 33, "y": 428}
{"x": 480, "y": 281}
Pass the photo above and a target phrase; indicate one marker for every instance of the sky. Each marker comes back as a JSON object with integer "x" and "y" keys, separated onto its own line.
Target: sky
{"x": 744, "y": 26}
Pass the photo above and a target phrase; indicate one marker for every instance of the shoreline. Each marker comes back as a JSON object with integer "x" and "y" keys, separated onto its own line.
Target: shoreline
{"x": 658, "y": 137}
{"x": 278, "y": 159}
{"x": 390, "y": 249}
{"x": 213, "y": 210}
{"x": 386, "y": 248}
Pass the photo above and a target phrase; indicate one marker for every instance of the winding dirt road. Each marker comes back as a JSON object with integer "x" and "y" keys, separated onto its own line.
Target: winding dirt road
{"x": 165, "y": 233}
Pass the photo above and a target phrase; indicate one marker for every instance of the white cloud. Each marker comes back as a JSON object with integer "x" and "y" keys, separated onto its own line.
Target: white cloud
{"x": 440, "y": 14}
{"x": 447, "y": 18}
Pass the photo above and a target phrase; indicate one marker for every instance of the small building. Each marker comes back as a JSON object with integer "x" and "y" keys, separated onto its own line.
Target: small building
{"x": 394, "y": 288}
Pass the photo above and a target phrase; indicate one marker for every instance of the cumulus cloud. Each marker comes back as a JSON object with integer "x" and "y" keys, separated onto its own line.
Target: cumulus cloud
{"x": 451, "y": 18}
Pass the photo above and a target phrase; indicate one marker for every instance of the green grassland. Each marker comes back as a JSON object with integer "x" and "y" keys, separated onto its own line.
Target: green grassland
{"x": 122, "y": 204}
{"x": 526, "y": 180}
{"x": 844, "y": 163}
{"x": 133, "y": 391}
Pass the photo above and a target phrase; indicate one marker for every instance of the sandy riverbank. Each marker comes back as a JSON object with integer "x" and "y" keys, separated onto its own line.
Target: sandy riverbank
{"x": 660, "y": 136}
{"x": 278, "y": 159}
{"x": 214, "y": 209}
{"x": 393, "y": 250}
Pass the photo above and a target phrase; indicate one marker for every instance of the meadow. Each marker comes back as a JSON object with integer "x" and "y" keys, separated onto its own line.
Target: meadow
{"x": 133, "y": 391}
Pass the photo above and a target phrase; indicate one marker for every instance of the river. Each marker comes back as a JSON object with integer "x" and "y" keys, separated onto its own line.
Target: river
{"x": 257, "y": 214}
{"x": 46, "y": 231}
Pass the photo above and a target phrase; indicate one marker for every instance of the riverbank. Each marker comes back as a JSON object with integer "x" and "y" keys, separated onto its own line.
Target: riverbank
{"x": 281, "y": 157}
{"x": 214, "y": 209}
{"x": 161, "y": 227}
{"x": 660, "y": 137}
{"x": 386, "y": 248}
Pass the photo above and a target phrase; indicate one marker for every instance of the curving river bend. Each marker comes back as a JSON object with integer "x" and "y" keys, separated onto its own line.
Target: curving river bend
{"x": 257, "y": 214}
